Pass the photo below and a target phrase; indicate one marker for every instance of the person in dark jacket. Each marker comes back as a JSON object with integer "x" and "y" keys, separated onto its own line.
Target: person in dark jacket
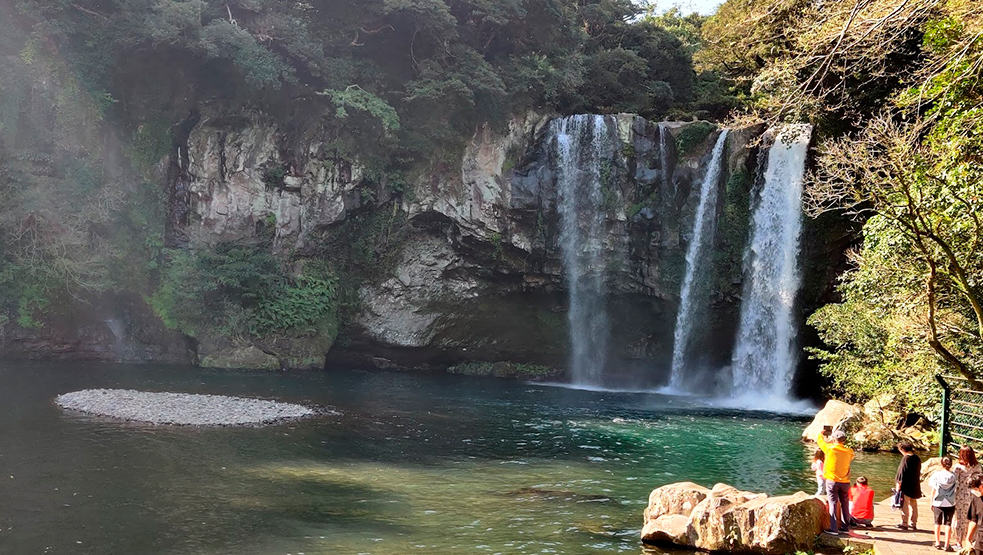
{"x": 909, "y": 484}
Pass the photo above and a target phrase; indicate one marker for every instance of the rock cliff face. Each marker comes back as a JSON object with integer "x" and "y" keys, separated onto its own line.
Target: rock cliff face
{"x": 454, "y": 261}
{"x": 474, "y": 272}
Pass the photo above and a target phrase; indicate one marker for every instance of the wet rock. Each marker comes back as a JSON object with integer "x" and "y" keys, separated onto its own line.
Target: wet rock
{"x": 667, "y": 529}
{"x": 223, "y": 353}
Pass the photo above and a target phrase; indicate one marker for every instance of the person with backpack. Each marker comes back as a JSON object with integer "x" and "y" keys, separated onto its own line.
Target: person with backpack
{"x": 943, "y": 484}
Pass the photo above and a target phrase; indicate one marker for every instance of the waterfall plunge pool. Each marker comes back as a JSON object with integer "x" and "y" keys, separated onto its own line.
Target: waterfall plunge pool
{"x": 424, "y": 463}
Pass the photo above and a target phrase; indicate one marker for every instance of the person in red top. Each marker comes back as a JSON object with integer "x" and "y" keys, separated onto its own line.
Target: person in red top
{"x": 861, "y": 504}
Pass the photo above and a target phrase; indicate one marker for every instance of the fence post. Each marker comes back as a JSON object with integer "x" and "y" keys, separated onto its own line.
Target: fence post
{"x": 944, "y": 433}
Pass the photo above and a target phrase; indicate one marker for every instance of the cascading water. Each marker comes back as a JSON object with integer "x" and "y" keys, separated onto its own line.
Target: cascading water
{"x": 583, "y": 145}
{"x": 697, "y": 259}
{"x": 764, "y": 357}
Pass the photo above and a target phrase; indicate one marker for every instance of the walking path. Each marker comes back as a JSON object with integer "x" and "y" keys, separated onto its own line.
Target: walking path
{"x": 885, "y": 538}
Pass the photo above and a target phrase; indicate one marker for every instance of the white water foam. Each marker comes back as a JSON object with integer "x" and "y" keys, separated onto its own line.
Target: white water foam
{"x": 583, "y": 143}
{"x": 698, "y": 254}
{"x": 765, "y": 355}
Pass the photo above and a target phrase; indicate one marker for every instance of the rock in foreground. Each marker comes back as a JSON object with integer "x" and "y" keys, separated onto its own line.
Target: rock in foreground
{"x": 727, "y": 519}
{"x": 179, "y": 408}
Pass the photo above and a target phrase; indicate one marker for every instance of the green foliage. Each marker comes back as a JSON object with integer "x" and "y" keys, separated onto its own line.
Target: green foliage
{"x": 307, "y": 305}
{"x": 151, "y": 143}
{"x": 356, "y": 98}
{"x": 497, "y": 245}
{"x": 693, "y": 135}
{"x": 424, "y": 72}
{"x": 260, "y": 66}
{"x": 273, "y": 176}
{"x": 241, "y": 290}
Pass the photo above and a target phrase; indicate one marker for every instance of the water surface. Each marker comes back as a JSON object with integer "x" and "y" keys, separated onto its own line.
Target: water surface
{"x": 432, "y": 464}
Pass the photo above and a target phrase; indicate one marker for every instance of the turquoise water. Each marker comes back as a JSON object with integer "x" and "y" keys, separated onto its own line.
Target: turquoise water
{"x": 410, "y": 463}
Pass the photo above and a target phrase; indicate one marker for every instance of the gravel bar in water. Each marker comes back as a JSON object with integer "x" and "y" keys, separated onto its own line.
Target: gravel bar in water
{"x": 179, "y": 408}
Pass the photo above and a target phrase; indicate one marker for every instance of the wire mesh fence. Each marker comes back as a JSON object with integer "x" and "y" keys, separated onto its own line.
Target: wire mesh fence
{"x": 962, "y": 413}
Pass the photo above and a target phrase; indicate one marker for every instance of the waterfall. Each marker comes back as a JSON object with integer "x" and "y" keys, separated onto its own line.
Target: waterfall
{"x": 119, "y": 336}
{"x": 764, "y": 357}
{"x": 697, "y": 257}
{"x": 585, "y": 151}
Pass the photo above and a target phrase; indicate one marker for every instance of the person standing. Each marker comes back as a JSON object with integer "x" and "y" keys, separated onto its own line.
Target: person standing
{"x": 943, "y": 484}
{"x": 817, "y": 468}
{"x": 836, "y": 470}
{"x": 974, "y": 515}
{"x": 909, "y": 484}
{"x": 964, "y": 470}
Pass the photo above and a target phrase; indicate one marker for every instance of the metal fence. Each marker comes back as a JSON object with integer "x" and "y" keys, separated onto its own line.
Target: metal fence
{"x": 962, "y": 413}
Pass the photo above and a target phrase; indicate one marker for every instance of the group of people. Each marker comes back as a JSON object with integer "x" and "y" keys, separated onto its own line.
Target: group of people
{"x": 956, "y": 492}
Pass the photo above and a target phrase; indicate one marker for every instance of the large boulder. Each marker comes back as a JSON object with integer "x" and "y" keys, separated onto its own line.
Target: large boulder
{"x": 884, "y": 409}
{"x": 676, "y": 499}
{"x": 728, "y": 519}
{"x": 667, "y": 529}
{"x": 839, "y": 415}
{"x": 877, "y": 426}
{"x": 712, "y": 526}
{"x": 781, "y": 524}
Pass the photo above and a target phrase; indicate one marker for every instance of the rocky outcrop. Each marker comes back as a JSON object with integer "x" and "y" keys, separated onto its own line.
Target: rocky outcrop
{"x": 876, "y": 426}
{"x": 473, "y": 271}
{"x": 459, "y": 260}
{"x": 110, "y": 328}
{"x": 727, "y": 519}
{"x": 839, "y": 415}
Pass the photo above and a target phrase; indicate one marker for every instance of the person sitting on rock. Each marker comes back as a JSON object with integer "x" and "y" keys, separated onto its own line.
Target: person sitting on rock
{"x": 943, "y": 484}
{"x": 817, "y": 467}
{"x": 836, "y": 470}
{"x": 909, "y": 484}
{"x": 861, "y": 504}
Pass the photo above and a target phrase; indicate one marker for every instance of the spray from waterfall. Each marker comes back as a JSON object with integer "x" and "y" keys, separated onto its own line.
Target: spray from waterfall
{"x": 764, "y": 357}
{"x": 583, "y": 146}
{"x": 698, "y": 254}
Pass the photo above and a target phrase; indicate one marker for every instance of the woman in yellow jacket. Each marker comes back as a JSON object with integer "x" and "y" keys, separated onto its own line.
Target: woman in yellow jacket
{"x": 837, "y": 473}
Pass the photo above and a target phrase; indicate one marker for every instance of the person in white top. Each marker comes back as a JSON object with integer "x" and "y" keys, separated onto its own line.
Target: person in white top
{"x": 818, "y": 459}
{"x": 943, "y": 484}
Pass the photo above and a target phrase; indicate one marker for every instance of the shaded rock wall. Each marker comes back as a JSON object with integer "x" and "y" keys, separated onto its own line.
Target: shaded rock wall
{"x": 477, "y": 272}
{"x": 469, "y": 268}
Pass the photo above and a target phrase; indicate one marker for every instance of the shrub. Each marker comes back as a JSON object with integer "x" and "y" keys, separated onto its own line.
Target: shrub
{"x": 238, "y": 290}
{"x": 693, "y": 135}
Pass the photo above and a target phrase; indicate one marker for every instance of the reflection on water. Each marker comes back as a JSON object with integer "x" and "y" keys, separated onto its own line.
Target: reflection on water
{"x": 409, "y": 463}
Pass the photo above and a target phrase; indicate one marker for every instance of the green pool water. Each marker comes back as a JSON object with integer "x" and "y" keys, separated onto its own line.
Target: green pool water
{"x": 407, "y": 463}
